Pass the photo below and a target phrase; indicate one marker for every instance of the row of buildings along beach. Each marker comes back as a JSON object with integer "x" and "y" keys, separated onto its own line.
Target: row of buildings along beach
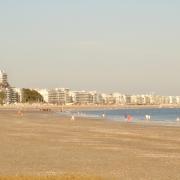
{"x": 65, "y": 96}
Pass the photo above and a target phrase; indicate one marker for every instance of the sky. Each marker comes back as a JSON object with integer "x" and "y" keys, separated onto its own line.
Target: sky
{"x": 127, "y": 46}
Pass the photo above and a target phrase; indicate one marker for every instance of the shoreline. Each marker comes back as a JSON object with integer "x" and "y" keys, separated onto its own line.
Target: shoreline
{"x": 150, "y": 123}
{"x": 74, "y": 109}
{"x": 84, "y": 107}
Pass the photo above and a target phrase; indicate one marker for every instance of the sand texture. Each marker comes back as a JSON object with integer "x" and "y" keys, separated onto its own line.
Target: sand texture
{"x": 42, "y": 143}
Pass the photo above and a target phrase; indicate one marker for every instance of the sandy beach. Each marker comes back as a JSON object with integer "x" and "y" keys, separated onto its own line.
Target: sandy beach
{"x": 42, "y": 143}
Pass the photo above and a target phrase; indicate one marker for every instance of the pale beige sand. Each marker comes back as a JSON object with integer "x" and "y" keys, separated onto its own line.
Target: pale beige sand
{"x": 44, "y": 143}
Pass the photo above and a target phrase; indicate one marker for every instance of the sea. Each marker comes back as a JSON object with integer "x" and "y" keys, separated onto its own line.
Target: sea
{"x": 159, "y": 115}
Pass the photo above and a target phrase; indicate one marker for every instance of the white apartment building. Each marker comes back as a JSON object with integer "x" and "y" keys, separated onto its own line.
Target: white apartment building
{"x": 83, "y": 97}
{"x": 110, "y": 99}
{"x": 172, "y": 100}
{"x": 119, "y": 98}
{"x": 98, "y": 98}
{"x": 19, "y": 93}
{"x": 178, "y": 99}
{"x": 44, "y": 93}
{"x": 11, "y": 96}
{"x": 104, "y": 98}
{"x": 3, "y": 79}
{"x": 128, "y": 99}
{"x": 134, "y": 99}
{"x": 116, "y": 97}
{"x": 59, "y": 96}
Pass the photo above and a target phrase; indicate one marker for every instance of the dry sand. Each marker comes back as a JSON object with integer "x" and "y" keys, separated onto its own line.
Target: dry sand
{"x": 44, "y": 143}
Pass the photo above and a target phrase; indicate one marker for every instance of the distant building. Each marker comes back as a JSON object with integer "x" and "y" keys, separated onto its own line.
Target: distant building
{"x": 3, "y": 80}
{"x": 119, "y": 98}
{"x": 172, "y": 100}
{"x": 44, "y": 93}
{"x": 178, "y": 99}
{"x": 83, "y": 97}
{"x": 134, "y": 99}
{"x": 128, "y": 99}
{"x": 98, "y": 99}
{"x": 59, "y": 96}
{"x": 19, "y": 93}
{"x": 111, "y": 99}
{"x": 11, "y": 96}
{"x": 10, "y": 92}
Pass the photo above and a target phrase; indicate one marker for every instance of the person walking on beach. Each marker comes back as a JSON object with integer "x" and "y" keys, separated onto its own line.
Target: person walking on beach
{"x": 129, "y": 118}
{"x": 147, "y": 117}
{"x": 178, "y": 119}
{"x": 72, "y": 118}
{"x": 20, "y": 113}
{"x": 62, "y": 109}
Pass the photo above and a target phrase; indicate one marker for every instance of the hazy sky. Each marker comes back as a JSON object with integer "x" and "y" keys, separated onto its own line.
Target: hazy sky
{"x": 130, "y": 46}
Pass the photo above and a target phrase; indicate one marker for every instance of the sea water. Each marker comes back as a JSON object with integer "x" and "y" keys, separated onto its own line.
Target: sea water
{"x": 139, "y": 114}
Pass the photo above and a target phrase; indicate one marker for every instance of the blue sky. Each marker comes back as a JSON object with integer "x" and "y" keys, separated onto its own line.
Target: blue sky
{"x": 108, "y": 45}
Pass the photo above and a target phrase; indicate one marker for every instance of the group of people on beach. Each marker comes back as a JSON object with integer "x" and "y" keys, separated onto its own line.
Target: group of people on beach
{"x": 127, "y": 117}
{"x": 147, "y": 117}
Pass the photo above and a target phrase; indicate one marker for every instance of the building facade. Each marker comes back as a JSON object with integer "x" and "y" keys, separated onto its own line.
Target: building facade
{"x": 59, "y": 96}
{"x": 83, "y": 97}
{"x": 44, "y": 93}
{"x": 11, "y": 96}
{"x": 3, "y": 80}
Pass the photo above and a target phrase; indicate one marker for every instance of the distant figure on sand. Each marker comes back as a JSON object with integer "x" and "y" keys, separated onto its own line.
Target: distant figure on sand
{"x": 178, "y": 119}
{"x": 62, "y": 109}
{"x": 103, "y": 115}
{"x": 147, "y": 117}
{"x": 129, "y": 118}
{"x": 19, "y": 113}
{"x": 72, "y": 118}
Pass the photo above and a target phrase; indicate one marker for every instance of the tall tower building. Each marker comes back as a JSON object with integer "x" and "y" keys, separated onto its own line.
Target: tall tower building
{"x": 3, "y": 79}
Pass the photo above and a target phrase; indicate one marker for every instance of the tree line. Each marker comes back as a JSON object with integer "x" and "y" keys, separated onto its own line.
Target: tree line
{"x": 31, "y": 96}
